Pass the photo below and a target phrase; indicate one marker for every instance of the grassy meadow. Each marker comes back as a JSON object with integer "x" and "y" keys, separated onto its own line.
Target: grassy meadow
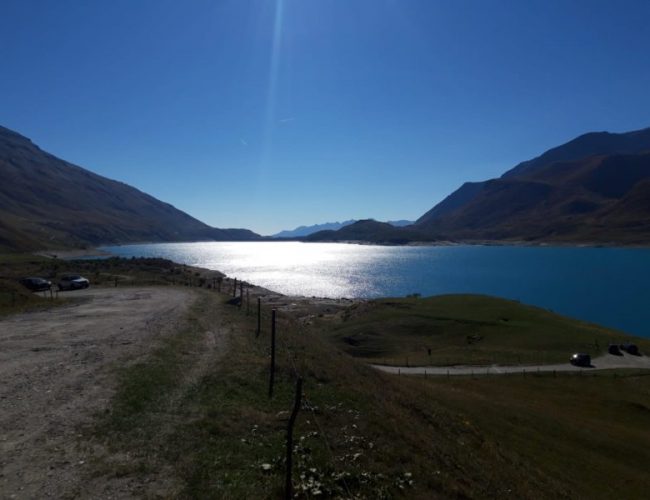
{"x": 364, "y": 434}
{"x": 460, "y": 329}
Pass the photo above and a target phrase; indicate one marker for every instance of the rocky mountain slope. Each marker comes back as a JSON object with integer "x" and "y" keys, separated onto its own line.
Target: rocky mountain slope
{"x": 46, "y": 202}
{"x": 593, "y": 189}
{"x": 580, "y": 148}
{"x": 599, "y": 199}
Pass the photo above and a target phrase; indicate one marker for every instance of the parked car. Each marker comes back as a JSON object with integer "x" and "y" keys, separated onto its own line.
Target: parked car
{"x": 614, "y": 349}
{"x": 73, "y": 282}
{"x": 580, "y": 359}
{"x": 36, "y": 284}
{"x": 631, "y": 349}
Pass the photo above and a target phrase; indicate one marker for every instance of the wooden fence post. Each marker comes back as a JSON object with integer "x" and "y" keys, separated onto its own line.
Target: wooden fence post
{"x": 288, "y": 483}
{"x": 234, "y": 288}
{"x": 259, "y": 316}
{"x": 272, "y": 374}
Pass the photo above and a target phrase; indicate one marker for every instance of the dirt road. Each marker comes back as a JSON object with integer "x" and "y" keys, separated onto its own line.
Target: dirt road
{"x": 56, "y": 373}
{"x": 606, "y": 362}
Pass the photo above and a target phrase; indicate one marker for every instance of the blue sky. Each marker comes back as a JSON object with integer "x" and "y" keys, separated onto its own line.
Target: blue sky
{"x": 271, "y": 114}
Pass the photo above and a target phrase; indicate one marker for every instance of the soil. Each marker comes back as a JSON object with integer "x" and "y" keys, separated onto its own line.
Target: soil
{"x": 57, "y": 372}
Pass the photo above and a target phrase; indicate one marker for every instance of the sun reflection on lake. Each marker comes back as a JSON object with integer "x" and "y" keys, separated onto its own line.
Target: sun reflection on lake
{"x": 603, "y": 285}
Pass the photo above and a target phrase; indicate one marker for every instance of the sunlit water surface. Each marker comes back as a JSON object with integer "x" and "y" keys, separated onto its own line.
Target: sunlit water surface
{"x": 610, "y": 286}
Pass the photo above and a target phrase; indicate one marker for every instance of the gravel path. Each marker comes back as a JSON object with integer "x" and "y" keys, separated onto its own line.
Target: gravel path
{"x": 606, "y": 362}
{"x": 56, "y": 372}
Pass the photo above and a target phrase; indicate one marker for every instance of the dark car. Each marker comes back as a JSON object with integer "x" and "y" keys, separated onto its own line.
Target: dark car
{"x": 36, "y": 284}
{"x": 631, "y": 349}
{"x": 580, "y": 359}
{"x": 73, "y": 282}
{"x": 614, "y": 349}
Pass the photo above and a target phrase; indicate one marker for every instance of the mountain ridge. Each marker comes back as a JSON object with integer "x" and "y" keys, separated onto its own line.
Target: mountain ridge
{"x": 302, "y": 231}
{"x": 594, "y": 189}
{"x": 47, "y": 202}
{"x": 589, "y": 144}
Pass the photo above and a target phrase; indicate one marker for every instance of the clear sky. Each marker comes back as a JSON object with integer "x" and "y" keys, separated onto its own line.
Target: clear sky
{"x": 269, "y": 114}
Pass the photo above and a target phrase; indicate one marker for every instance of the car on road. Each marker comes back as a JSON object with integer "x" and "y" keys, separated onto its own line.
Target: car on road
{"x": 580, "y": 359}
{"x": 36, "y": 284}
{"x": 73, "y": 282}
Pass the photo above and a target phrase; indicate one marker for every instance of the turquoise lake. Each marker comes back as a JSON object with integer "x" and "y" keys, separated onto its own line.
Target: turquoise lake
{"x": 609, "y": 286}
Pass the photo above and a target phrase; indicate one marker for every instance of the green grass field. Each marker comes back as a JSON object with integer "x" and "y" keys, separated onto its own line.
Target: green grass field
{"x": 587, "y": 434}
{"x": 364, "y": 434}
{"x": 458, "y": 329}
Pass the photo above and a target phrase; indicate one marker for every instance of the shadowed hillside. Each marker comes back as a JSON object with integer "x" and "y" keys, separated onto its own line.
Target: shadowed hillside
{"x": 587, "y": 190}
{"x": 593, "y": 189}
{"x": 371, "y": 231}
{"x": 46, "y": 202}
{"x": 597, "y": 199}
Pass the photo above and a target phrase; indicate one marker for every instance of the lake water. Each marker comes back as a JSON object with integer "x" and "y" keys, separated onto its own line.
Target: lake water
{"x": 610, "y": 286}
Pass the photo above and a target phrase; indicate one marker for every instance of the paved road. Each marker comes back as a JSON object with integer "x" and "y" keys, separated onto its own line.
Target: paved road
{"x": 606, "y": 362}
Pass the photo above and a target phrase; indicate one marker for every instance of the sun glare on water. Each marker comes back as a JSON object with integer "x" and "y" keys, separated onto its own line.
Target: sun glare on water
{"x": 293, "y": 268}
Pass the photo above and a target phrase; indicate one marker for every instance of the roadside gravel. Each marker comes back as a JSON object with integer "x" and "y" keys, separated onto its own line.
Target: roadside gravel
{"x": 56, "y": 368}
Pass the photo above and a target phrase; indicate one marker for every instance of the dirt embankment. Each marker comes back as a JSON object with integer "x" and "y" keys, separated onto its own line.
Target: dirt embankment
{"x": 56, "y": 372}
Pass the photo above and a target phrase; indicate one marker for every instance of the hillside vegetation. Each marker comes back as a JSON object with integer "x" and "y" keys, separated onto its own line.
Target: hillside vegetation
{"x": 466, "y": 329}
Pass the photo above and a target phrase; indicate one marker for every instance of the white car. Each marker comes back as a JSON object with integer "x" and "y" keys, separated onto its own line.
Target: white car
{"x": 73, "y": 282}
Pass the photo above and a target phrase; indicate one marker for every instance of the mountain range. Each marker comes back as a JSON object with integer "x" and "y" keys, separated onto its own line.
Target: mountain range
{"x": 594, "y": 189}
{"x": 302, "y": 231}
{"x": 46, "y": 202}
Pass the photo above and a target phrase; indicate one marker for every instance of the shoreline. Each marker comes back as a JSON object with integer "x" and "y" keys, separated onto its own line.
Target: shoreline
{"x": 323, "y": 295}
{"x": 97, "y": 251}
{"x": 73, "y": 254}
{"x": 488, "y": 243}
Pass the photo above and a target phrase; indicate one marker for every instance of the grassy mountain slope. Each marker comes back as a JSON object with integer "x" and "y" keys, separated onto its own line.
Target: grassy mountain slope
{"x": 591, "y": 144}
{"x": 596, "y": 199}
{"x": 48, "y": 202}
{"x": 593, "y": 189}
{"x": 590, "y": 189}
